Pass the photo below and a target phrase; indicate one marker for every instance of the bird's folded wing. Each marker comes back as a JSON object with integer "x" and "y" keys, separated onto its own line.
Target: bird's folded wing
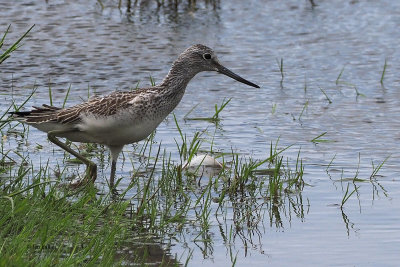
{"x": 97, "y": 106}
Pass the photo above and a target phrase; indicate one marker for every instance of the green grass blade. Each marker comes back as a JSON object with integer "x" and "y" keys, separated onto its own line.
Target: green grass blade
{"x": 14, "y": 47}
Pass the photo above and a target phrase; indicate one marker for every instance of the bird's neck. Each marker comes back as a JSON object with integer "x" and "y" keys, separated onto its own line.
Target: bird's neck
{"x": 173, "y": 87}
{"x": 178, "y": 77}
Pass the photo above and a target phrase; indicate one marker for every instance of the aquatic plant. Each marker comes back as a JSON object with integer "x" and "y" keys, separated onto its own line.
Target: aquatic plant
{"x": 7, "y": 53}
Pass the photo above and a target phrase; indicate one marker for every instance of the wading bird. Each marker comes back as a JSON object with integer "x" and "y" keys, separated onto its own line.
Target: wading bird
{"x": 122, "y": 118}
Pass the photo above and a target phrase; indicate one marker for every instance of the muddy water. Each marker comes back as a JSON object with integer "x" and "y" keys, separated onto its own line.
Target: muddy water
{"x": 81, "y": 45}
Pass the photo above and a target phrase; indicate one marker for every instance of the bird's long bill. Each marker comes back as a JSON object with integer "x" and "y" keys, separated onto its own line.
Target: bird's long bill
{"x": 227, "y": 72}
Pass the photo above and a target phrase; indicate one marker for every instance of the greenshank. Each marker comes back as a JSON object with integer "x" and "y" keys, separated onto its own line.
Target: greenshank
{"x": 122, "y": 118}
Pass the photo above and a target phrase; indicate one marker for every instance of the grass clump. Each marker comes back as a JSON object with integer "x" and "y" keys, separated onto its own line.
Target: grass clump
{"x": 41, "y": 224}
{"x": 39, "y": 227}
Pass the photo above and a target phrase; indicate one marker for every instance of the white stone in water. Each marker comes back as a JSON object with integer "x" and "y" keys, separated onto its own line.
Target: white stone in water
{"x": 202, "y": 160}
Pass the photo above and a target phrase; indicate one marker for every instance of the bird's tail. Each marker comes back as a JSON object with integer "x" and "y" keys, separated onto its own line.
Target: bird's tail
{"x": 19, "y": 114}
{"x": 37, "y": 114}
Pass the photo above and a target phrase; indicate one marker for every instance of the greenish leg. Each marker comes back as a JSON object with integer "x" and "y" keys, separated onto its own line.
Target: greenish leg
{"x": 113, "y": 169}
{"x": 91, "y": 168}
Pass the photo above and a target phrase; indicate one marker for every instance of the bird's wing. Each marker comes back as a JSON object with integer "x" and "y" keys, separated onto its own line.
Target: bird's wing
{"x": 98, "y": 106}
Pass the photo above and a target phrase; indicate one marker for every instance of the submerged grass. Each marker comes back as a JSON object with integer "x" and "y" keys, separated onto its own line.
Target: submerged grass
{"x": 340, "y": 75}
{"x": 280, "y": 66}
{"x": 326, "y": 96}
{"x": 384, "y": 71}
{"x": 215, "y": 118}
{"x": 318, "y": 139}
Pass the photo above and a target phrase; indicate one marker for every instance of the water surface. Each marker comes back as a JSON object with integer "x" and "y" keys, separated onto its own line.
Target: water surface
{"x": 80, "y": 45}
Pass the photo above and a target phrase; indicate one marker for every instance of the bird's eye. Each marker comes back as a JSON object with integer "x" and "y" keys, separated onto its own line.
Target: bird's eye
{"x": 207, "y": 56}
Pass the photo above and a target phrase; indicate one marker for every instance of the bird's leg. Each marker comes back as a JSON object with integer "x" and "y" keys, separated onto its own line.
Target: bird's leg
{"x": 114, "y": 151}
{"x": 91, "y": 168}
{"x": 113, "y": 169}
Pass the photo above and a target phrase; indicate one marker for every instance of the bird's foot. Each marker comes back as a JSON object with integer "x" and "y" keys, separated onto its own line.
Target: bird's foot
{"x": 90, "y": 177}
{"x": 91, "y": 173}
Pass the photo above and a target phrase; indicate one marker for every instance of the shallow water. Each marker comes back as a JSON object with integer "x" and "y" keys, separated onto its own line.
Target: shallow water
{"x": 82, "y": 45}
